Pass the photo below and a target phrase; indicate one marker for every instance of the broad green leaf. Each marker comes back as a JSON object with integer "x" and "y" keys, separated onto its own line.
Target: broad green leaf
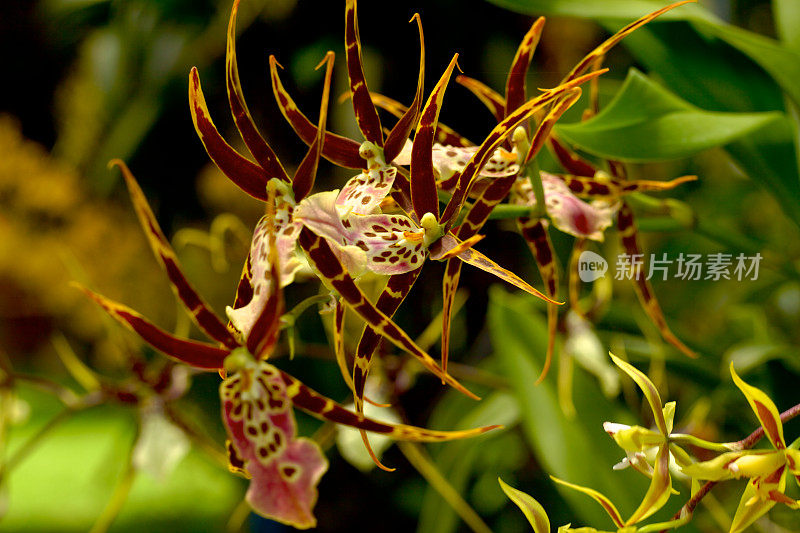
{"x": 768, "y": 156}
{"x": 717, "y": 79}
{"x": 780, "y": 62}
{"x": 645, "y": 122}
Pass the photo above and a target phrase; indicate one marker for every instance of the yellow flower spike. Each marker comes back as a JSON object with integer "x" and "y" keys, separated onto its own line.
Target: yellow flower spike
{"x": 599, "y": 498}
{"x": 766, "y": 469}
{"x": 765, "y": 410}
{"x": 532, "y": 509}
{"x": 755, "y": 465}
{"x": 755, "y": 503}
{"x": 659, "y": 490}
{"x": 633, "y": 438}
{"x": 649, "y": 390}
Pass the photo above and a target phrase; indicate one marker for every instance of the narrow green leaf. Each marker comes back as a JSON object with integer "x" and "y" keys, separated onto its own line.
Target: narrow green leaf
{"x": 458, "y": 460}
{"x": 787, "y": 20}
{"x": 645, "y": 122}
{"x": 574, "y": 449}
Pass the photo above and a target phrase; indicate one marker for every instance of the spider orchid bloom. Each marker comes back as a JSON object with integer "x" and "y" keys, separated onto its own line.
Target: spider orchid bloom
{"x": 540, "y": 522}
{"x": 257, "y": 398}
{"x": 766, "y": 470}
{"x": 252, "y": 177}
{"x": 635, "y": 440}
{"x": 503, "y": 107}
{"x": 337, "y": 224}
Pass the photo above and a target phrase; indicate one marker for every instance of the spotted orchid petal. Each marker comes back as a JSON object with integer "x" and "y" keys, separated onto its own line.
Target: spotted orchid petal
{"x": 324, "y": 408}
{"x": 609, "y": 188}
{"x": 306, "y": 173}
{"x": 284, "y": 470}
{"x": 498, "y": 135}
{"x": 408, "y": 118}
{"x": 567, "y": 212}
{"x": 389, "y": 300}
{"x": 451, "y": 160}
{"x": 247, "y": 175}
{"x": 338, "y": 278}
{"x": 765, "y": 410}
{"x": 535, "y": 233}
{"x": 364, "y": 192}
{"x": 423, "y": 181}
{"x": 518, "y": 73}
{"x": 366, "y": 115}
{"x": 442, "y": 250}
{"x": 384, "y": 244}
{"x": 568, "y": 159}
{"x": 532, "y": 509}
{"x": 243, "y": 314}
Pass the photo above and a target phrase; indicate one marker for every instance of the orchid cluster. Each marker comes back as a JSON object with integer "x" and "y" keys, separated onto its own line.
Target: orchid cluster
{"x": 765, "y": 470}
{"x": 387, "y": 221}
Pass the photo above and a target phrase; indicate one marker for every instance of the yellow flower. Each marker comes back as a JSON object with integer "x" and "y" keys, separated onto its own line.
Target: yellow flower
{"x": 766, "y": 470}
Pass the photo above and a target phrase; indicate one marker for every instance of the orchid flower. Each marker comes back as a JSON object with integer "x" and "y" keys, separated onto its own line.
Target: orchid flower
{"x": 254, "y": 287}
{"x": 540, "y": 522}
{"x": 765, "y": 470}
{"x": 257, "y": 398}
{"x": 253, "y": 178}
{"x": 566, "y": 211}
{"x": 636, "y": 440}
{"x": 345, "y": 234}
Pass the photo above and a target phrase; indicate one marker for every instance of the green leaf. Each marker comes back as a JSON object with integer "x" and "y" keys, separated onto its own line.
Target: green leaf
{"x": 787, "y": 20}
{"x": 717, "y": 79}
{"x": 458, "y": 460}
{"x": 66, "y": 481}
{"x": 645, "y": 122}
{"x": 574, "y": 450}
{"x": 608, "y": 9}
{"x": 780, "y": 62}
